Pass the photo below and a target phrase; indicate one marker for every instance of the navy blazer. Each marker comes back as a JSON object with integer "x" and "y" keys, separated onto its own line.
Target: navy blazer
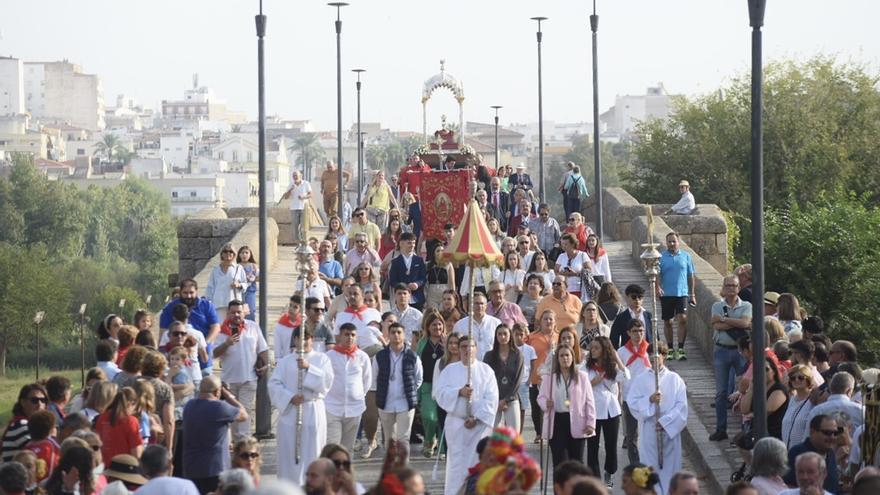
{"x": 521, "y": 180}
{"x": 418, "y": 274}
{"x": 620, "y": 335}
{"x": 503, "y": 207}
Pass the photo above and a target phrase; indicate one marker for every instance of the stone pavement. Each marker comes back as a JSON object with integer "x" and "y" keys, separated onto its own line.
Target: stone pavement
{"x": 702, "y": 457}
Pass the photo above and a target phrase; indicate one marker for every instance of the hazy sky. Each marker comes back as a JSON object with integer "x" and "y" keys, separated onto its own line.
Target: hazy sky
{"x": 150, "y": 49}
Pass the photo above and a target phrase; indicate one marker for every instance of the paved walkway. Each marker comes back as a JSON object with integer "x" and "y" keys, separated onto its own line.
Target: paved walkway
{"x": 624, "y": 271}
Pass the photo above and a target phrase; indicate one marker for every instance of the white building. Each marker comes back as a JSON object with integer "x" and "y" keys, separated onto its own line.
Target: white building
{"x": 620, "y": 120}
{"x": 60, "y": 91}
{"x": 176, "y": 150}
{"x": 199, "y": 103}
{"x": 11, "y": 86}
{"x": 241, "y": 189}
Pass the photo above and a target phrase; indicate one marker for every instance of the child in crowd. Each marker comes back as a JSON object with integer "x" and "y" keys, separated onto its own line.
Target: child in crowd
{"x": 179, "y": 377}
{"x": 530, "y": 359}
{"x": 145, "y": 412}
{"x": 42, "y": 429}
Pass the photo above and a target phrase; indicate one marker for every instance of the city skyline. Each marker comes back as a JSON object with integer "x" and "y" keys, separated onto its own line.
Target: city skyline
{"x": 641, "y": 44}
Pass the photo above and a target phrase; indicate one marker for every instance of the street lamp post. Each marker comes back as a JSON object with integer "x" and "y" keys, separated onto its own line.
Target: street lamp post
{"x": 594, "y": 27}
{"x": 362, "y": 157}
{"x": 539, "y": 35}
{"x": 497, "y": 157}
{"x": 38, "y": 320}
{"x": 264, "y": 412}
{"x": 338, "y": 6}
{"x": 759, "y": 400}
{"x": 359, "y": 137}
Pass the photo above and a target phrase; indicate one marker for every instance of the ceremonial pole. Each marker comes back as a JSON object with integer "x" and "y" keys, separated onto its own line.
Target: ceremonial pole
{"x": 304, "y": 255}
{"x": 651, "y": 260}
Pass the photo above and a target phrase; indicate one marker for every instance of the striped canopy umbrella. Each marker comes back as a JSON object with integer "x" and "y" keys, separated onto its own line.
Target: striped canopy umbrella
{"x": 473, "y": 245}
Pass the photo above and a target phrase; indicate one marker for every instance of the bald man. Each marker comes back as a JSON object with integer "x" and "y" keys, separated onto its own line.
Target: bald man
{"x": 320, "y": 476}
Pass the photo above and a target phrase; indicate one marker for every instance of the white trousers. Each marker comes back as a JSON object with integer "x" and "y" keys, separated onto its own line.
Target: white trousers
{"x": 396, "y": 426}
{"x": 342, "y": 430}
{"x": 246, "y": 393}
{"x": 509, "y": 417}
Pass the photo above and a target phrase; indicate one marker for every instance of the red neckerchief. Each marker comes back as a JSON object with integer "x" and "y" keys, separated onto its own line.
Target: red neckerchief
{"x": 346, "y": 352}
{"x": 285, "y": 321}
{"x": 225, "y": 328}
{"x": 597, "y": 368}
{"x": 599, "y": 253}
{"x": 642, "y": 352}
{"x": 357, "y": 312}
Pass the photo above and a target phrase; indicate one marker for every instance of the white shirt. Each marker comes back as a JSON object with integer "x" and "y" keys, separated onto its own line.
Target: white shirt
{"x": 840, "y": 406}
{"x": 298, "y": 190}
{"x": 410, "y": 318}
{"x": 797, "y": 491}
{"x": 636, "y": 368}
{"x": 577, "y": 264}
{"x": 109, "y": 367}
{"x": 605, "y": 394}
{"x": 317, "y": 288}
{"x": 484, "y": 332}
{"x": 219, "y": 290}
{"x": 239, "y": 359}
{"x": 352, "y": 377}
{"x": 529, "y": 354}
{"x": 195, "y": 371}
{"x": 685, "y": 205}
{"x": 366, "y": 335}
{"x": 482, "y": 277}
{"x": 166, "y": 484}
{"x": 395, "y": 401}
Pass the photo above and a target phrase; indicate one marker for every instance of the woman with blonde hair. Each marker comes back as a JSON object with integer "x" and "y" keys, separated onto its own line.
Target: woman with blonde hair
{"x": 796, "y": 421}
{"x": 334, "y": 226}
{"x": 246, "y": 455}
{"x": 513, "y": 277}
{"x": 93, "y": 376}
{"x": 775, "y": 331}
{"x": 495, "y": 231}
{"x": 379, "y": 199}
{"x": 367, "y": 278}
{"x": 789, "y": 312}
{"x": 100, "y": 396}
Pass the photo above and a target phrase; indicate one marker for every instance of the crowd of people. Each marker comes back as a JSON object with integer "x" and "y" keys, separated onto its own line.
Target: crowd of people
{"x": 381, "y": 340}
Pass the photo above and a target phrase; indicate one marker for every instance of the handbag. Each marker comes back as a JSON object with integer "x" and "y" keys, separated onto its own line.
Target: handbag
{"x": 239, "y": 293}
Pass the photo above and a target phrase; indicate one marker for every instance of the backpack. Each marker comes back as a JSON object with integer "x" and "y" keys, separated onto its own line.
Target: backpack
{"x": 574, "y": 191}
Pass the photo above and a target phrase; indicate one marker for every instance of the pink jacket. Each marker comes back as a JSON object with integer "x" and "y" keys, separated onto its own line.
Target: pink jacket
{"x": 582, "y": 409}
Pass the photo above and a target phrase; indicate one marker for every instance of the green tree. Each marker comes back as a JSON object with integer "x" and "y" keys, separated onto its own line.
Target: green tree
{"x": 827, "y": 254}
{"x": 109, "y": 146}
{"x": 821, "y": 119}
{"x": 29, "y": 283}
{"x": 310, "y": 150}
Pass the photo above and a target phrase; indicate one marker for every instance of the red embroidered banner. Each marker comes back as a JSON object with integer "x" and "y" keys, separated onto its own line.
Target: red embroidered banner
{"x": 443, "y": 199}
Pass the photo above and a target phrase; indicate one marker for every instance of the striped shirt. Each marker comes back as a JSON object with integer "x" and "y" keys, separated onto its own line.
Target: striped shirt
{"x": 15, "y": 438}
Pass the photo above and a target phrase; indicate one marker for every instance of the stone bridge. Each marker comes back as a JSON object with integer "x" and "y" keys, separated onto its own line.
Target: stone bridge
{"x": 704, "y": 236}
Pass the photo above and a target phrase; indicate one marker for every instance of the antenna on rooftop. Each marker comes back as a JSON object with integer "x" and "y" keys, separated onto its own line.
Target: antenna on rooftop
{"x": 196, "y": 80}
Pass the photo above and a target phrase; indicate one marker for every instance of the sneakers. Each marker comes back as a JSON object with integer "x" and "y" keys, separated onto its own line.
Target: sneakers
{"x": 673, "y": 354}
{"x": 718, "y": 436}
{"x": 681, "y": 355}
{"x": 369, "y": 449}
{"x": 609, "y": 480}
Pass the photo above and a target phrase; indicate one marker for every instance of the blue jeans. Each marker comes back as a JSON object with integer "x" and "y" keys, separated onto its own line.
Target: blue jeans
{"x": 250, "y": 297}
{"x": 727, "y": 362}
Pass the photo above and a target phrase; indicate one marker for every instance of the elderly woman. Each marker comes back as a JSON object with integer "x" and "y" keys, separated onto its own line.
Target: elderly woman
{"x": 575, "y": 226}
{"x": 153, "y": 368}
{"x": 796, "y": 422}
{"x": 769, "y": 464}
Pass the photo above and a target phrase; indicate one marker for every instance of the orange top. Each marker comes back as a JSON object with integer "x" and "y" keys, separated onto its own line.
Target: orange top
{"x": 542, "y": 343}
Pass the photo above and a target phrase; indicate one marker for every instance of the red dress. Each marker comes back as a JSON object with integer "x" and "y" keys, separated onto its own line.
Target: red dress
{"x": 47, "y": 452}
{"x": 120, "y": 438}
{"x": 387, "y": 244}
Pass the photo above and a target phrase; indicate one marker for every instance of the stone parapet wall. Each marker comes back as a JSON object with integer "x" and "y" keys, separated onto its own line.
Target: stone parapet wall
{"x": 705, "y": 232}
{"x": 247, "y": 235}
{"x": 707, "y": 288}
{"x": 280, "y": 214}
{"x": 201, "y": 236}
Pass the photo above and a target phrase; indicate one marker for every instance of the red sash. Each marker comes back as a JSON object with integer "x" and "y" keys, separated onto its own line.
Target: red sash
{"x": 285, "y": 321}
{"x": 359, "y": 312}
{"x": 642, "y": 352}
{"x": 349, "y": 353}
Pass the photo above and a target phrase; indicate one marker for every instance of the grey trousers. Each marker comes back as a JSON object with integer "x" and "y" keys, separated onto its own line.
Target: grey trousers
{"x": 296, "y": 217}
{"x": 631, "y": 435}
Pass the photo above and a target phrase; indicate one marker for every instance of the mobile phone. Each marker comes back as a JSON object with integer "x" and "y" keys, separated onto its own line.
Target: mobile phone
{"x": 726, "y": 312}
{"x": 235, "y": 330}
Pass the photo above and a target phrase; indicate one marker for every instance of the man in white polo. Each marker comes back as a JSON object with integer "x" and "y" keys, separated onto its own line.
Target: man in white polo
{"x": 484, "y": 326}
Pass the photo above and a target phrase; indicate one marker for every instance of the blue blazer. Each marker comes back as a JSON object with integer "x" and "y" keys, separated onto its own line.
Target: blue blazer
{"x": 619, "y": 335}
{"x": 418, "y": 274}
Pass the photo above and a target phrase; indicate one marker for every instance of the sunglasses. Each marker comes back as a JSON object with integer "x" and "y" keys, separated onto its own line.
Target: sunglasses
{"x": 342, "y": 464}
{"x": 38, "y": 400}
{"x": 249, "y": 455}
{"x": 227, "y": 252}
{"x": 178, "y": 334}
{"x": 571, "y": 219}
{"x": 635, "y": 297}
{"x": 795, "y": 378}
{"x": 832, "y": 433}
{"x": 320, "y": 310}
{"x": 557, "y": 284}
{"x": 96, "y": 448}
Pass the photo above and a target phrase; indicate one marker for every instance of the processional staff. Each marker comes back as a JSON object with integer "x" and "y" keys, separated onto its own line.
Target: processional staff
{"x": 304, "y": 256}
{"x": 651, "y": 261}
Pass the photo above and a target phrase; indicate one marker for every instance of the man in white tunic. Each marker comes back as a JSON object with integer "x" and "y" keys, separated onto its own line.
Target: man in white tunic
{"x": 465, "y": 426}
{"x": 286, "y": 395}
{"x": 484, "y": 326}
{"x": 643, "y": 399}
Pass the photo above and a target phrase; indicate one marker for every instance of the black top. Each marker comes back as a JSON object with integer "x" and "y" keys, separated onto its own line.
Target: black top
{"x": 508, "y": 373}
{"x": 774, "y": 419}
{"x": 430, "y": 354}
{"x": 437, "y": 274}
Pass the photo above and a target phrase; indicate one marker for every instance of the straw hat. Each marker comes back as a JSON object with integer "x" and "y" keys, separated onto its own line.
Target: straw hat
{"x": 126, "y": 468}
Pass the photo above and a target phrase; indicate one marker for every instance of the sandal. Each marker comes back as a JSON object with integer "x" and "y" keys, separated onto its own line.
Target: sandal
{"x": 538, "y": 439}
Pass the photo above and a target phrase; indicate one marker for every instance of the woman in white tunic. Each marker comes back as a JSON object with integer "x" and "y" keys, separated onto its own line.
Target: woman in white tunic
{"x": 285, "y": 394}
{"x": 643, "y": 399}
{"x": 462, "y": 430}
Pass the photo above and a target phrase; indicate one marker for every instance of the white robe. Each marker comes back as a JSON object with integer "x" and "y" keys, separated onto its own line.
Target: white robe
{"x": 283, "y": 385}
{"x": 673, "y": 419}
{"x": 462, "y": 442}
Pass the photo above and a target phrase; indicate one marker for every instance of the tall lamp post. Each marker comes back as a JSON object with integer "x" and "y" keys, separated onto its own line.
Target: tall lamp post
{"x": 360, "y": 168}
{"x": 497, "y": 157}
{"x": 594, "y": 27}
{"x": 38, "y": 320}
{"x": 539, "y": 35}
{"x": 759, "y": 404}
{"x": 338, "y": 6}
{"x": 264, "y": 412}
